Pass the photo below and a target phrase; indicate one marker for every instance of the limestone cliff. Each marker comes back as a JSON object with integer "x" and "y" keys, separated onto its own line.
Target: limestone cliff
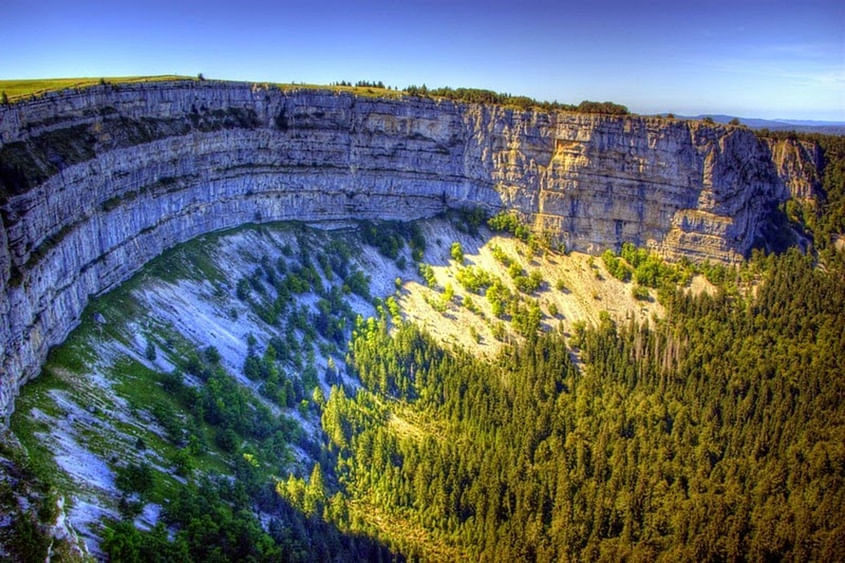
{"x": 798, "y": 165}
{"x": 97, "y": 182}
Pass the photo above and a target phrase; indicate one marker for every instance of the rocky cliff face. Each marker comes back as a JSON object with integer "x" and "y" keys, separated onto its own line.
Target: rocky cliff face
{"x": 799, "y": 166}
{"x": 96, "y": 183}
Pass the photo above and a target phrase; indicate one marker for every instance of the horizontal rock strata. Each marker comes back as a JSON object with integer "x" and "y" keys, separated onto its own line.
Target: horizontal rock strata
{"x": 95, "y": 183}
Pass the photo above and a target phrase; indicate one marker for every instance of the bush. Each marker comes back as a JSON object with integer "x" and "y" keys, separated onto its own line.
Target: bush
{"x": 579, "y": 333}
{"x": 509, "y": 222}
{"x": 469, "y": 219}
{"x": 150, "y": 351}
{"x": 649, "y": 272}
{"x": 385, "y": 236}
{"x": 501, "y": 256}
{"x": 393, "y": 308}
{"x": 227, "y": 440}
{"x": 167, "y": 418}
{"x": 474, "y": 279}
{"x": 528, "y": 284}
{"x": 181, "y": 461}
{"x": 243, "y": 289}
{"x": 427, "y": 273}
{"x": 633, "y": 255}
{"x": 135, "y": 478}
{"x": 602, "y": 107}
{"x": 615, "y": 266}
{"x": 359, "y": 283}
{"x": 252, "y": 367}
{"x": 448, "y": 294}
{"x": 639, "y": 292}
{"x": 417, "y": 243}
{"x": 212, "y": 355}
{"x": 649, "y": 269}
{"x": 526, "y": 320}
{"x": 498, "y": 296}
{"x": 457, "y": 252}
{"x": 28, "y": 541}
{"x": 172, "y": 382}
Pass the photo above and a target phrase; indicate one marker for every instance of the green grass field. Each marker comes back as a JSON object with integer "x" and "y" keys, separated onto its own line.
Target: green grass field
{"x": 21, "y": 89}
{"x": 18, "y": 89}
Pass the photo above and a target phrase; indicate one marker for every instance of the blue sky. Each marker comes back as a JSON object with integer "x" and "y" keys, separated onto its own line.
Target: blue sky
{"x": 754, "y": 59}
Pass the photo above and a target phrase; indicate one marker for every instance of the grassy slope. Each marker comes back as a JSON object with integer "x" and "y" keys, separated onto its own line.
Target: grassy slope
{"x": 20, "y": 89}
{"x": 97, "y": 396}
{"x": 576, "y": 286}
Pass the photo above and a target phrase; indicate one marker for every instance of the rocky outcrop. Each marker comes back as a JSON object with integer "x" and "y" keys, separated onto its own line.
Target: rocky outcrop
{"x": 799, "y": 166}
{"x": 97, "y": 182}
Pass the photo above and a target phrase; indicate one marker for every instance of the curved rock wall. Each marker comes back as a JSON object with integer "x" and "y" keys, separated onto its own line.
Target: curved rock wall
{"x": 95, "y": 183}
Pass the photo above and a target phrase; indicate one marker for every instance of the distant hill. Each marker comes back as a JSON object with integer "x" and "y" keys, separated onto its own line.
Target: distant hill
{"x": 802, "y": 126}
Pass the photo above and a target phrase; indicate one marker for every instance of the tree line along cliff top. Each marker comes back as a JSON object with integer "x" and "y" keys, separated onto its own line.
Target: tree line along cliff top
{"x": 20, "y": 90}
{"x": 17, "y": 90}
{"x": 12, "y": 91}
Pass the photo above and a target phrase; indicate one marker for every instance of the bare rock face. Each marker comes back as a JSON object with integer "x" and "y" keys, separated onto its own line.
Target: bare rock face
{"x": 96, "y": 183}
{"x": 798, "y": 165}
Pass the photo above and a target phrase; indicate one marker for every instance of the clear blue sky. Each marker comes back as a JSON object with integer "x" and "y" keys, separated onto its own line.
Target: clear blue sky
{"x": 753, "y": 59}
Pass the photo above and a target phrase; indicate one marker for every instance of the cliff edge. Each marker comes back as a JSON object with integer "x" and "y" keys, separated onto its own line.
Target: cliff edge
{"x": 95, "y": 183}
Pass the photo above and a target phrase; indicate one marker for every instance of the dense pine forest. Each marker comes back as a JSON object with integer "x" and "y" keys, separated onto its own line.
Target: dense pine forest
{"x": 716, "y": 434}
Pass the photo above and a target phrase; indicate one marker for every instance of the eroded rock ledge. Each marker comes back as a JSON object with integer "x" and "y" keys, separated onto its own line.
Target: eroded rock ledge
{"x": 96, "y": 183}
